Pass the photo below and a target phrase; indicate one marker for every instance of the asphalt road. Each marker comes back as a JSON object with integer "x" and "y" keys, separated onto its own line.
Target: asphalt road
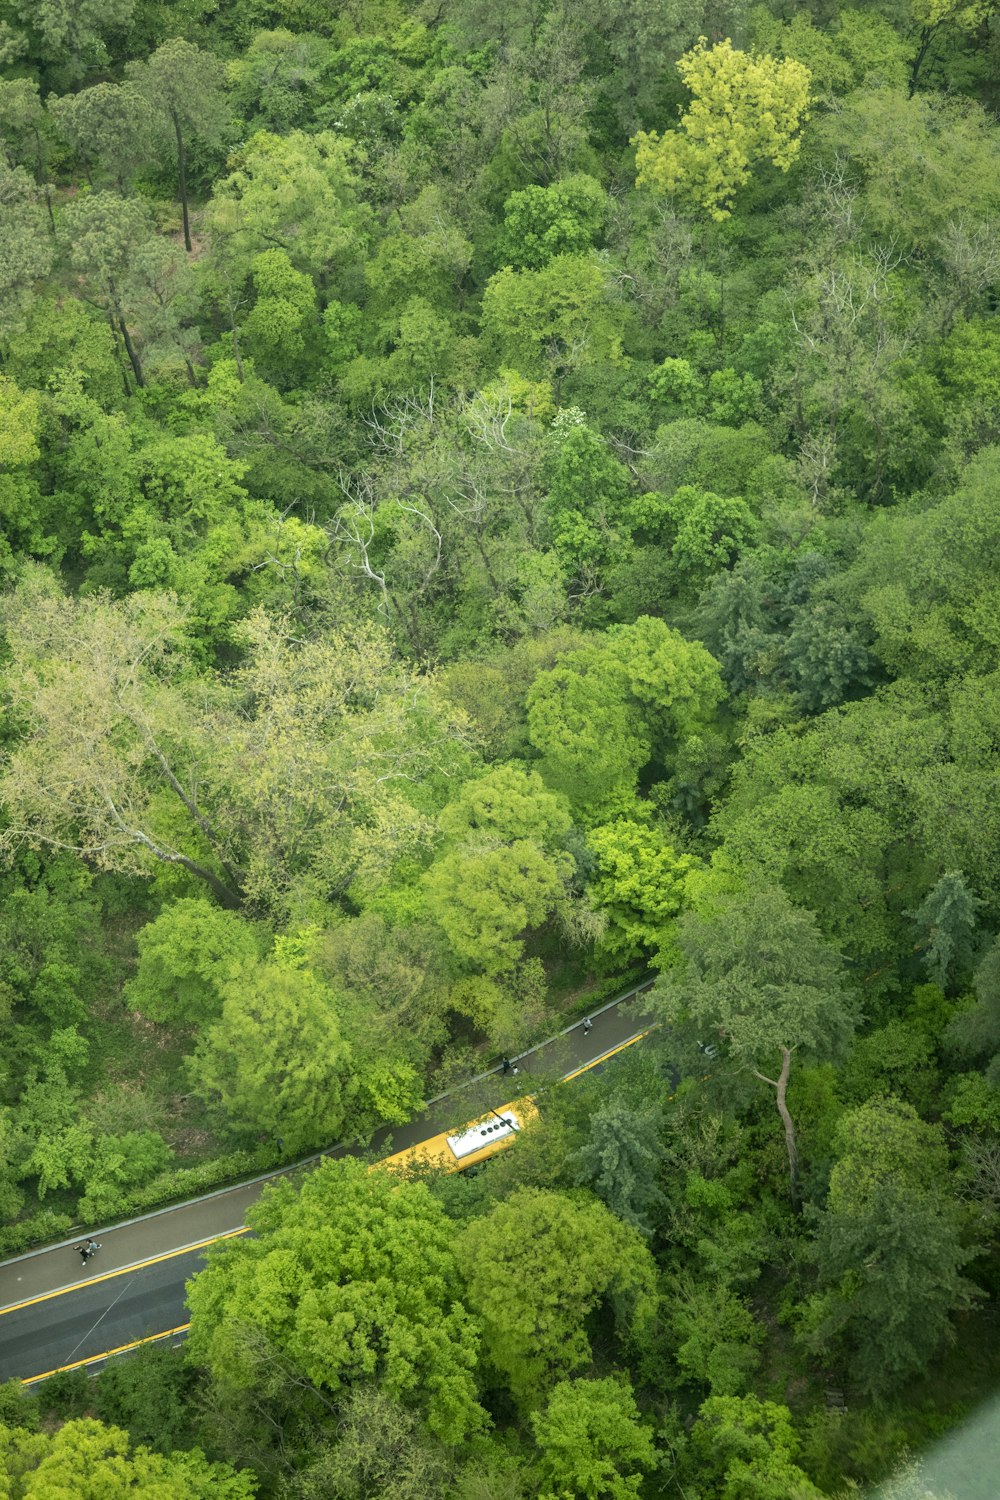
{"x": 54, "y": 1313}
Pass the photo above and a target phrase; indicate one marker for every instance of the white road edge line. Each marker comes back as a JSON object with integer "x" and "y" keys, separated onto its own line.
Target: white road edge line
{"x": 205, "y": 1243}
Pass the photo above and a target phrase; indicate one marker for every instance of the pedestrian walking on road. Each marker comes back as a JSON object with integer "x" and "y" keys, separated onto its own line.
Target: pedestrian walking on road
{"x": 506, "y": 1066}
{"x": 588, "y": 1025}
{"x": 88, "y": 1250}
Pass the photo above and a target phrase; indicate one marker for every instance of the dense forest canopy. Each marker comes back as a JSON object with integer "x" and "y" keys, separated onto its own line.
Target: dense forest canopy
{"x": 496, "y": 501}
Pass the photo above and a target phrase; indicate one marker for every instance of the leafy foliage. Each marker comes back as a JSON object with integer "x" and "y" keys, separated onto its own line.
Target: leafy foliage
{"x": 492, "y": 499}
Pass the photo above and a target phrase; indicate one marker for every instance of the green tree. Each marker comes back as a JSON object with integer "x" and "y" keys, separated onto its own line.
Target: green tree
{"x": 743, "y": 110}
{"x": 745, "y": 1449}
{"x": 184, "y": 87}
{"x": 592, "y": 1442}
{"x": 620, "y": 1159}
{"x": 352, "y": 1277}
{"x": 147, "y": 1395}
{"x": 945, "y": 922}
{"x": 974, "y": 1033}
{"x": 26, "y": 130}
{"x": 109, "y": 126}
{"x": 281, "y": 79}
{"x": 536, "y": 1265}
{"x": 888, "y": 1247}
{"x": 756, "y": 973}
{"x": 186, "y": 954}
{"x": 921, "y": 160}
{"x": 25, "y": 249}
{"x": 383, "y": 1452}
{"x": 927, "y": 580}
{"x": 72, "y": 35}
{"x": 101, "y": 233}
{"x": 562, "y": 219}
{"x": 276, "y": 1059}
{"x": 933, "y": 15}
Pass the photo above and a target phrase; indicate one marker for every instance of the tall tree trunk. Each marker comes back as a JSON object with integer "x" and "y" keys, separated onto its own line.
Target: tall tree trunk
{"x": 182, "y": 179}
{"x": 130, "y": 350}
{"x": 780, "y": 1086}
{"x": 926, "y": 37}
{"x": 116, "y": 335}
{"x": 236, "y": 343}
{"x": 42, "y": 180}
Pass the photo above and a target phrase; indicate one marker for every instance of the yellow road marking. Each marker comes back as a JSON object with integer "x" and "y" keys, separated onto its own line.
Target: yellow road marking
{"x": 152, "y": 1338}
{"x": 93, "y": 1359}
{"x": 568, "y": 1077}
{"x": 79, "y": 1286}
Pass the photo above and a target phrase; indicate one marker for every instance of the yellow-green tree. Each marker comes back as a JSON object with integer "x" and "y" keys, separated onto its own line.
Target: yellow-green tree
{"x": 743, "y": 110}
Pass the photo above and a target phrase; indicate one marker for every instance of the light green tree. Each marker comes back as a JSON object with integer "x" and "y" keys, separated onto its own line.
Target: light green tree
{"x": 639, "y": 881}
{"x": 743, "y": 110}
{"x": 260, "y": 763}
{"x": 21, "y": 505}
{"x": 552, "y": 320}
{"x": 708, "y": 532}
{"x": 352, "y": 1277}
{"x": 382, "y": 1449}
{"x": 297, "y": 193}
{"x": 592, "y": 1442}
{"x": 284, "y": 320}
{"x": 743, "y": 1447}
{"x": 603, "y": 711}
{"x": 592, "y": 747}
{"x": 486, "y": 898}
{"x": 276, "y": 1059}
{"x": 91, "y": 1461}
{"x": 716, "y": 1337}
{"x": 536, "y": 1265}
{"x": 509, "y": 802}
{"x": 186, "y": 954}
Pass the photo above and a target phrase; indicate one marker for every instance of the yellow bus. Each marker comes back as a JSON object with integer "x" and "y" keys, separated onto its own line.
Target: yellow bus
{"x": 457, "y": 1150}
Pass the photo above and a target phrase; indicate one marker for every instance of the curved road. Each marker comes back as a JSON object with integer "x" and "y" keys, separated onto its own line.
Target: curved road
{"x": 56, "y": 1315}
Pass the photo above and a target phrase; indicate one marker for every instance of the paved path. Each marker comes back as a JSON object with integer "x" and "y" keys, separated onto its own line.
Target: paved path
{"x": 55, "y": 1313}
